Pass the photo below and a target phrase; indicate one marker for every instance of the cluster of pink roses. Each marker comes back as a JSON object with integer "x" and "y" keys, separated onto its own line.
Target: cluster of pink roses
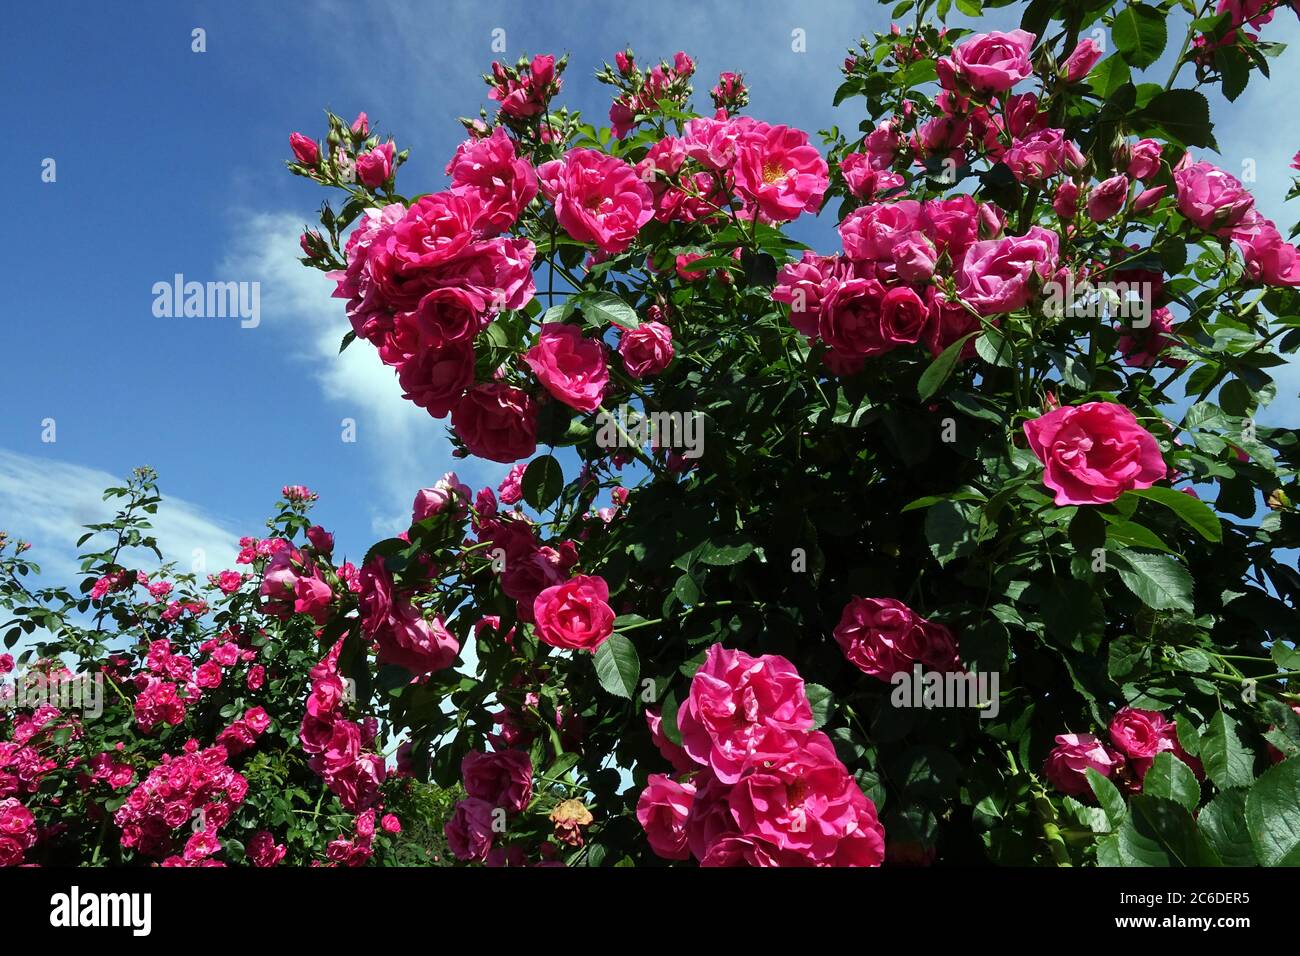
{"x": 292, "y": 584}
{"x": 767, "y": 789}
{"x": 17, "y": 831}
{"x": 422, "y": 282}
{"x": 195, "y": 788}
{"x": 1136, "y": 737}
{"x": 402, "y": 634}
{"x": 880, "y": 295}
{"x": 882, "y": 637}
{"x": 643, "y": 92}
{"x": 1216, "y": 202}
{"x": 341, "y": 750}
{"x": 497, "y": 786}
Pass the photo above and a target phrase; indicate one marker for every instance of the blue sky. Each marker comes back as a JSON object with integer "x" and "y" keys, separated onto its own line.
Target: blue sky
{"x": 170, "y": 161}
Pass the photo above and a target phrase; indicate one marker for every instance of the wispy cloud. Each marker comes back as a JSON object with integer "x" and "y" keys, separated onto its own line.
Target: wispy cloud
{"x": 47, "y": 502}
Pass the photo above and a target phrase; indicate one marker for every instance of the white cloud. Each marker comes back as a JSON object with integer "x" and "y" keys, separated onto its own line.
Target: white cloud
{"x": 48, "y": 502}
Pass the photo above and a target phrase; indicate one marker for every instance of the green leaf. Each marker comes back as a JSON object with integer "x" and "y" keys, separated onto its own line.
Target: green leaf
{"x": 1273, "y": 815}
{"x": 722, "y": 553}
{"x": 822, "y": 702}
{"x": 1160, "y": 581}
{"x": 937, "y": 372}
{"x": 1162, "y": 833}
{"x": 618, "y": 666}
{"x": 1172, "y": 779}
{"x": 1183, "y": 114}
{"x": 1140, "y": 34}
{"x": 1109, "y": 798}
{"x": 1223, "y": 821}
{"x": 1226, "y": 761}
{"x": 605, "y": 308}
{"x": 542, "y": 482}
{"x": 1195, "y": 513}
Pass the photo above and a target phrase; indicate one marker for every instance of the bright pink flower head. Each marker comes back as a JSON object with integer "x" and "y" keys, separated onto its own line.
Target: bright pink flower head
{"x": 882, "y": 637}
{"x": 1210, "y": 198}
{"x": 497, "y": 422}
{"x": 570, "y": 366}
{"x": 575, "y": 614}
{"x": 1107, "y": 198}
{"x": 1081, "y": 61}
{"x": 992, "y": 62}
{"x": 742, "y": 710}
{"x": 598, "y": 198}
{"x": 647, "y": 349}
{"x": 375, "y": 167}
{"x": 1067, "y": 765}
{"x": 779, "y": 172}
{"x": 1093, "y": 453}
{"x": 448, "y": 494}
{"x": 502, "y": 183}
{"x": 1000, "y": 275}
{"x": 503, "y": 779}
{"x": 304, "y": 150}
{"x": 663, "y": 809}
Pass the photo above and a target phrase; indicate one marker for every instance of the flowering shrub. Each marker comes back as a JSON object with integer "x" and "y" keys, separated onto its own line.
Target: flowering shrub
{"x": 960, "y": 542}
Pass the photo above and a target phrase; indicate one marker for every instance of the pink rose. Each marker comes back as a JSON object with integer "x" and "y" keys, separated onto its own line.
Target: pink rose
{"x": 741, "y": 711}
{"x": 263, "y": 851}
{"x": 497, "y": 422}
{"x": 992, "y": 62}
{"x": 1066, "y": 200}
{"x": 1210, "y": 198}
{"x": 999, "y": 275}
{"x": 1067, "y": 765}
{"x": 851, "y": 318}
{"x": 779, "y": 172}
{"x": 304, "y": 150}
{"x": 870, "y": 233}
{"x": 374, "y": 167}
{"x": 571, "y": 367}
{"x": 469, "y": 832}
{"x": 502, "y": 182}
{"x": 1141, "y": 734}
{"x": 410, "y": 640}
{"x": 1144, "y": 158}
{"x": 436, "y": 378}
{"x": 1093, "y": 453}
{"x": 804, "y": 803}
{"x": 448, "y": 494}
{"x": 1107, "y": 198}
{"x": 511, "y": 491}
{"x": 575, "y": 614}
{"x": 598, "y": 198}
{"x": 503, "y": 779}
{"x": 864, "y": 179}
{"x": 1269, "y": 258}
{"x": 647, "y": 349}
{"x": 1038, "y": 156}
{"x": 662, "y": 809}
{"x": 882, "y": 637}
{"x": 1081, "y": 61}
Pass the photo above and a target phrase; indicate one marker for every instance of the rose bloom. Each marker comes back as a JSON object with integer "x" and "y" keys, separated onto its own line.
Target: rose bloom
{"x": 503, "y": 779}
{"x": 410, "y": 640}
{"x": 304, "y": 150}
{"x": 804, "y": 284}
{"x": 992, "y": 62}
{"x": 806, "y": 804}
{"x": 1093, "y": 453}
{"x": 1210, "y": 198}
{"x": 502, "y": 182}
{"x": 571, "y": 367}
{"x": 1080, "y": 62}
{"x": 864, "y": 179}
{"x": 742, "y": 710}
{"x": 1067, "y": 764}
{"x": 1038, "y": 156}
{"x": 263, "y": 851}
{"x": 448, "y": 493}
{"x": 851, "y": 318}
{"x": 374, "y": 167}
{"x": 647, "y": 349}
{"x": 436, "y": 378}
{"x": 1141, "y": 734}
{"x": 779, "y": 172}
{"x": 575, "y": 614}
{"x": 1144, "y": 158}
{"x": 469, "y": 831}
{"x": 1269, "y": 258}
{"x": 996, "y": 275}
{"x": 598, "y": 198}
{"x": 497, "y": 422}
{"x": 1142, "y": 348}
{"x": 870, "y": 233}
{"x": 1107, "y": 198}
{"x": 883, "y": 636}
{"x": 663, "y": 809}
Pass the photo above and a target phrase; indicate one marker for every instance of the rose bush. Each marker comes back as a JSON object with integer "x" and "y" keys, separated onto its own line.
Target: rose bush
{"x": 1002, "y": 442}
